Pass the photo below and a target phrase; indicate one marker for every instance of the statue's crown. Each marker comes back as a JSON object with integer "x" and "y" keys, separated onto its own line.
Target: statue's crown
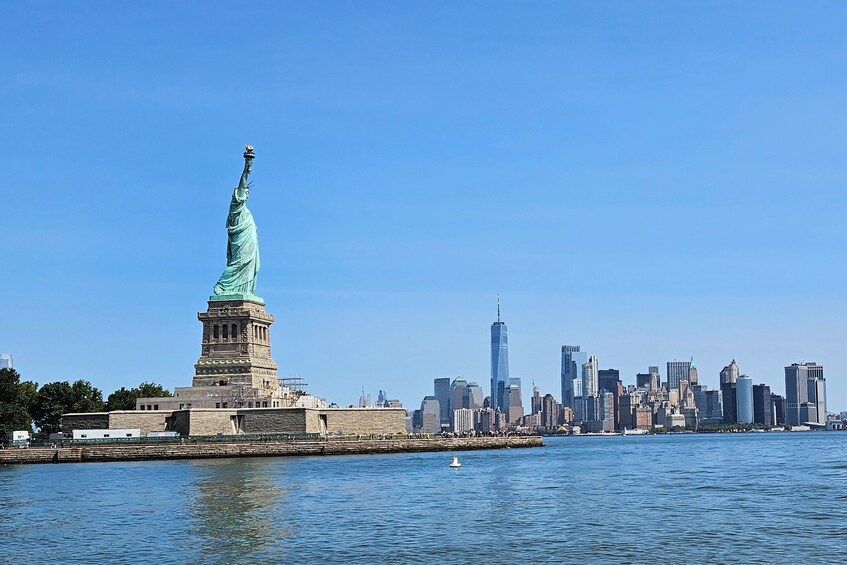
{"x": 248, "y": 148}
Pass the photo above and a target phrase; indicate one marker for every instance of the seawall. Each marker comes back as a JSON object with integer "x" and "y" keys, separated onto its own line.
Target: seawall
{"x": 217, "y": 449}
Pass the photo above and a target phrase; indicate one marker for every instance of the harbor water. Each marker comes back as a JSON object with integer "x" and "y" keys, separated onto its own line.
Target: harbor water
{"x": 740, "y": 498}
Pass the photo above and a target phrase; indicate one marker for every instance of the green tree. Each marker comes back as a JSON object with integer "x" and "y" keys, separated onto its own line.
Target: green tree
{"x": 125, "y": 399}
{"x": 152, "y": 390}
{"x": 55, "y": 399}
{"x": 15, "y": 399}
{"x": 122, "y": 399}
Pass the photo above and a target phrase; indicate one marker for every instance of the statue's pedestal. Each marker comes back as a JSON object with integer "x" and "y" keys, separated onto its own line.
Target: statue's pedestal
{"x": 236, "y": 297}
{"x": 236, "y": 346}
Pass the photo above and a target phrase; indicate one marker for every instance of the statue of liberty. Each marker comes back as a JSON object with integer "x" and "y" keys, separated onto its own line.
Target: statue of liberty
{"x": 238, "y": 281}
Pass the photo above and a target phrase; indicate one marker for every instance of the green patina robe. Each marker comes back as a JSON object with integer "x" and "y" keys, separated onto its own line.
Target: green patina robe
{"x": 242, "y": 250}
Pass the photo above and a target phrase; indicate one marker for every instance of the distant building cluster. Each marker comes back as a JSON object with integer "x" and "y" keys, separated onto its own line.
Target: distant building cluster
{"x": 382, "y": 401}
{"x": 596, "y": 400}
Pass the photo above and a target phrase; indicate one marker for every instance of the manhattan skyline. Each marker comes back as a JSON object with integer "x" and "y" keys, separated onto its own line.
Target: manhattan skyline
{"x": 650, "y": 184}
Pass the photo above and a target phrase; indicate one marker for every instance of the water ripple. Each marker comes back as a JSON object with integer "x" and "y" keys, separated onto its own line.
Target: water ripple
{"x": 729, "y": 498}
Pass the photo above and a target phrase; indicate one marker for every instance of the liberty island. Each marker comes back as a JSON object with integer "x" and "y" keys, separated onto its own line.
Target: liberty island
{"x": 237, "y": 405}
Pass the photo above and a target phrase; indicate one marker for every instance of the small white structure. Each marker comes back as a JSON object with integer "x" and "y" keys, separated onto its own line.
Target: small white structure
{"x": 455, "y": 463}
{"x": 107, "y": 434}
{"x": 18, "y": 438}
{"x": 163, "y": 434}
{"x": 309, "y": 401}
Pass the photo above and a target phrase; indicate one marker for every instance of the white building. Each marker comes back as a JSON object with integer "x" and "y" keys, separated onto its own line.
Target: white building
{"x": 106, "y": 434}
{"x": 463, "y": 420}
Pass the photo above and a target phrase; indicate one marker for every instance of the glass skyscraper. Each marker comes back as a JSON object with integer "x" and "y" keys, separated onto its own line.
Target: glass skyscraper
{"x": 744, "y": 399}
{"x": 805, "y": 394}
{"x": 572, "y": 362}
{"x": 678, "y": 371}
{"x": 499, "y": 363}
{"x": 442, "y": 394}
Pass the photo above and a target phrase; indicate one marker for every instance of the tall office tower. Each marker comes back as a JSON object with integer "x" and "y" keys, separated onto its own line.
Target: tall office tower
{"x": 463, "y": 420}
{"x": 817, "y": 391}
{"x": 572, "y": 360}
{"x": 762, "y": 405}
{"x": 486, "y": 421}
{"x": 430, "y": 415}
{"x": 609, "y": 379}
{"x": 442, "y": 394}
{"x": 515, "y": 406}
{"x": 709, "y": 405}
{"x": 590, "y": 377}
{"x": 549, "y": 412}
{"x": 744, "y": 399}
{"x": 642, "y": 380}
{"x": 6, "y": 361}
{"x": 592, "y": 409}
{"x": 578, "y": 400}
{"x": 499, "y": 362}
{"x": 729, "y": 374}
{"x": 805, "y": 394}
{"x": 654, "y": 370}
{"x": 677, "y": 371}
{"x": 458, "y": 395}
{"x": 693, "y": 377}
{"x": 536, "y": 400}
{"x": 476, "y": 397}
{"x": 607, "y": 410}
{"x": 629, "y": 402}
{"x": 778, "y": 403}
{"x": 730, "y": 412}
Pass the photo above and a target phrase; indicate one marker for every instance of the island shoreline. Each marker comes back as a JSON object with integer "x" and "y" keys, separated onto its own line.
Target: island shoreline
{"x": 277, "y": 448}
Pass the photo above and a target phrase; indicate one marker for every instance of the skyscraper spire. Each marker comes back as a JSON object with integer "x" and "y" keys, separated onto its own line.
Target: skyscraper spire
{"x": 499, "y": 363}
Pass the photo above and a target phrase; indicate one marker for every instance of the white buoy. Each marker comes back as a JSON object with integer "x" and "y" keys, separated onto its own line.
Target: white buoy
{"x": 455, "y": 463}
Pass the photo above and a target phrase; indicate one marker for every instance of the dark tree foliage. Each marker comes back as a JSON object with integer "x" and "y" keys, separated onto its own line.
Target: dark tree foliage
{"x": 55, "y": 399}
{"x": 125, "y": 399}
{"x": 15, "y": 398}
{"x": 122, "y": 399}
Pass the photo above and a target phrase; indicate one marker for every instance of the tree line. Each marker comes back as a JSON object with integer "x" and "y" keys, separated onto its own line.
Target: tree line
{"x": 23, "y": 404}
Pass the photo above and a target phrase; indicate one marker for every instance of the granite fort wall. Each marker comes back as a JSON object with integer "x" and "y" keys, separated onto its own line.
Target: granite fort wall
{"x": 206, "y": 422}
{"x": 365, "y": 421}
{"x": 203, "y": 450}
{"x": 89, "y": 421}
{"x": 215, "y": 421}
{"x": 280, "y": 421}
{"x": 130, "y": 419}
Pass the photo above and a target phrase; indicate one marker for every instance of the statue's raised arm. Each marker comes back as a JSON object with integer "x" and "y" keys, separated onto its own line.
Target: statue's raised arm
{"x": 243, "y": 189}
{"x": 238, "y": 280}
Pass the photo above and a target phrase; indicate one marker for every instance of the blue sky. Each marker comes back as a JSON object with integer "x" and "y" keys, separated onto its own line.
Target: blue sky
{"x": 650, "y": 181}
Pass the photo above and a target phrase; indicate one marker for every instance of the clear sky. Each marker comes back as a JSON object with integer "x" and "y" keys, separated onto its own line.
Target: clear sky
{"x": 648, "y": 180}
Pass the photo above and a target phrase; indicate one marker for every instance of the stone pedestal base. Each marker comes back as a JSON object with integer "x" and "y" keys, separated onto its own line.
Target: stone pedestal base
{"x": 236, "y": 348}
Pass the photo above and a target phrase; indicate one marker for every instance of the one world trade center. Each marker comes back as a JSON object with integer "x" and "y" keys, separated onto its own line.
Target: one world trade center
{"x": 499, "y": 363}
